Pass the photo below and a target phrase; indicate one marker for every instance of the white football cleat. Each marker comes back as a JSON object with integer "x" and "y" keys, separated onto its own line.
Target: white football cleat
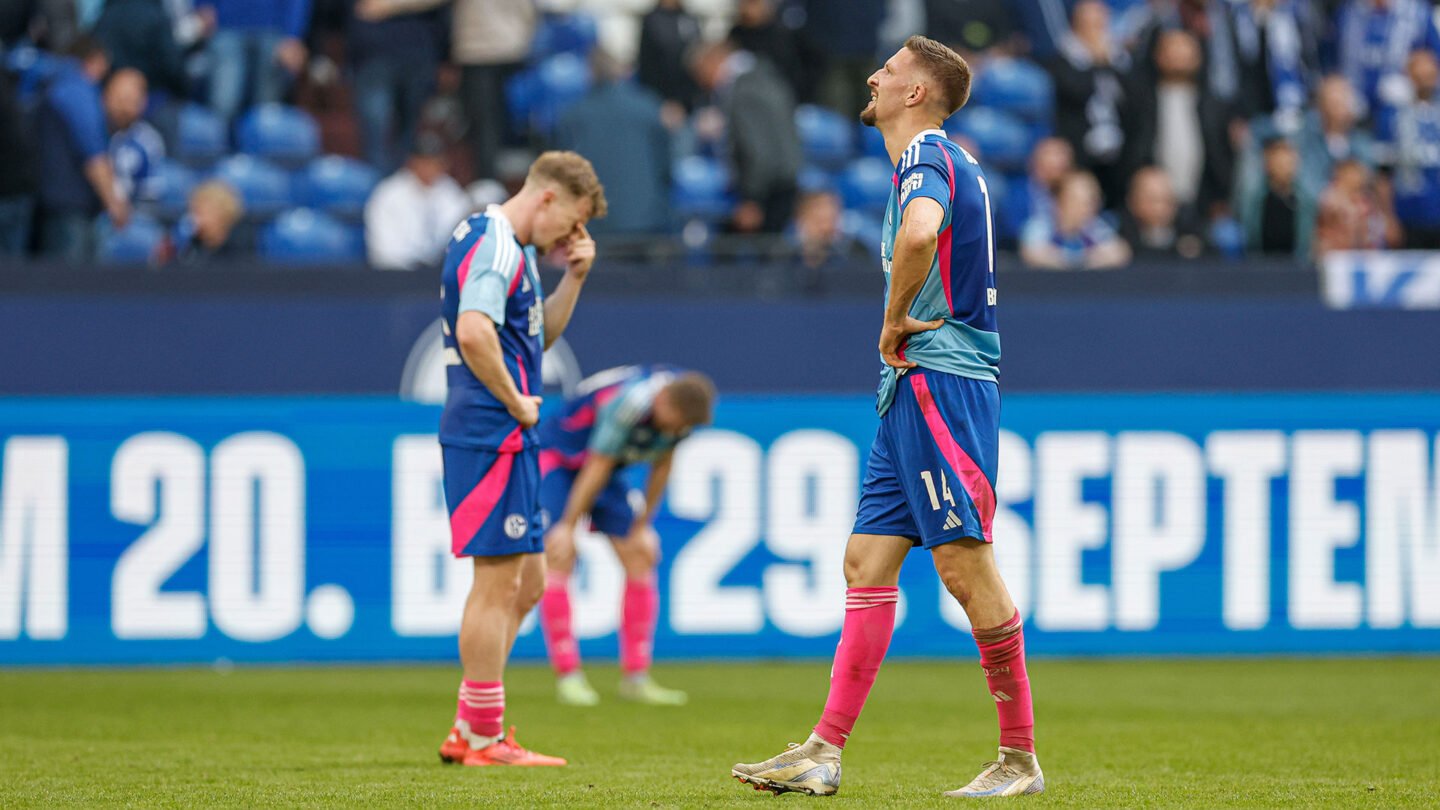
{"x": 812, "y": 767}
{"x": 1015, "y": 773}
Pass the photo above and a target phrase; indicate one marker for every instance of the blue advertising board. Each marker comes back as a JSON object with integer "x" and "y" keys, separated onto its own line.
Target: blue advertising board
{"x": 255, "y": 529}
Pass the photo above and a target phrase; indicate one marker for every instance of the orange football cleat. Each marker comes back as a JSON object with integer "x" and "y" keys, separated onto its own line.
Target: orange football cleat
{"x": 505, "y": 751}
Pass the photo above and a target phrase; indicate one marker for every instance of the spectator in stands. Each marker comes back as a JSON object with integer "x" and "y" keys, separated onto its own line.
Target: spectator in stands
{"x": 1154, "y": 224}
{"x": 208, "y": 232}
{"x": 78, "y": 177}
{"x": 1050, "y": 161}
{"x": 49, "y": 24}
{"x": 1178, "y": 125}
{"x": 1091, "y": 72}
{"x": 1375, "y": 39}
{"x": 258, "y": 45}
{"x": 758, "y": 31}
{"x": 973, "y": 26}
{"x": 1279, "y": 47}
{"x": 667, "y": 35}
{"x": 1355, "y": 212}
{"x": 136, "y": 148}
{"x": 1277, "y": 213}
{"x": 1410, "y": 146}
{"x": 618, "y": 127}
{"x": 759, "y": 114}
{"x": 393, "y": 57}
{"x": 1076, "y": 237}
{"x": 1330, "y": 135}
{"x": 138, "y": 34}
{"x": 410, "y": 215}
{"x": 17, "y": 176}
{"x": 822, "y": 246}
{"x": 844, "y": 37}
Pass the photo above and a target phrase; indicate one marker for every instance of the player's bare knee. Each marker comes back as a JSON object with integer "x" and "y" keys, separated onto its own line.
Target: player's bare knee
{"x": 959, "y": 585}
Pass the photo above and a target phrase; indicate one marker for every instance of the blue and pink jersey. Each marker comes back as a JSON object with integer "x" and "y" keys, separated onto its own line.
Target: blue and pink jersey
{"x": 610, "y": 415}
{"x": 960, "y": 286}
{"x": 488, "y": 271}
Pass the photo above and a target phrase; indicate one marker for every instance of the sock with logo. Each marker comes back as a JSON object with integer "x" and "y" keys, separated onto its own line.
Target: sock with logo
{"x": 638, "y": 612}
{"x": 482, "y": 707}
{"x": 1002, "y": 656}
{"x": 864, "y": 639}
{"x": 556, "y": 621}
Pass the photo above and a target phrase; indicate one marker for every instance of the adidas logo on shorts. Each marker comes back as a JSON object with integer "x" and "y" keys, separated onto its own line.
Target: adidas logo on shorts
{"x": 952, "y": 521}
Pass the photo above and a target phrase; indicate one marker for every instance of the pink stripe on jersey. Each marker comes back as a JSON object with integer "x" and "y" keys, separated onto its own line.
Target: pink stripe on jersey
{"x": 944, "y": 243}
{"x": 524, "y": 378}
{"x": 472, "y": 512}
{"x": 583, "y": 418}
{"x": 513, "y": 443}
{"x": 972, "y": 478}
{"x": 519, "y": 271}
{"x": 464, "y": 271}
{"x": 554, "y": 459}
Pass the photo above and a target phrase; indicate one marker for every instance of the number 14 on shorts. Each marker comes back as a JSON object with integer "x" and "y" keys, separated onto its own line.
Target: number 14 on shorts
{"x": 929, "y": 479}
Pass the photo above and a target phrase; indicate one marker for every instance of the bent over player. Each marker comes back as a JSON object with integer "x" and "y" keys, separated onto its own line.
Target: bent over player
{"x": 619, "y": 417}
{"x": 496, "y": 326}
{"x": 931, "y": 473}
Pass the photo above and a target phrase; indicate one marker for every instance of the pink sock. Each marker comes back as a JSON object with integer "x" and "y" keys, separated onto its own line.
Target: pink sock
{"x": 555, "y": 618}
{"x": 1002, "y": 656}
{"x": 482, "y": 706}
{"x": 638, "y": 612}
{"x": 869, "y": 623}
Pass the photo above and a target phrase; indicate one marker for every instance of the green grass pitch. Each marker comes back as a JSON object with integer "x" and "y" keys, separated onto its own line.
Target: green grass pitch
{"x": 1146, "y": 733}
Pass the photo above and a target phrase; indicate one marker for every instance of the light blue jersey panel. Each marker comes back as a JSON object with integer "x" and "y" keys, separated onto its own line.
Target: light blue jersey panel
{"x": 960, "y": 286}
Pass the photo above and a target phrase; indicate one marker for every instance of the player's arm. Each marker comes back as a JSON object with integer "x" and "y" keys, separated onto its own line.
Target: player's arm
{"x": 915, "y": 243}
{"x": 591, "y": 479}
{"x": 655, "y": 485}
{"x": 480, "y": 349}
{"x": 560, "y": 303}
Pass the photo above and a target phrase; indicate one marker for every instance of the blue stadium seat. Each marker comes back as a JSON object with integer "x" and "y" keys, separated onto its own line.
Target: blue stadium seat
{"x": 263, "y": 186}
{"x": 1002, "y": 139}
{"x": 564, "y": 33}
{"x": 866, "y": 184}
{"x": 336, "y": 185}
{"x": 813, "y": 179}
{"x": 172, "y": 183}
{"x": 136, "y": 243}
{"x": 201, "y": 138}
{"x": 1016, "y": 86}
{"x": 863, "y": 228}
{"x": 32, "y": 68}
{"x": 558, "y": 82}
{"x": 304, "y": 236}
{"x": 827, "y": 137}
{"x": 872, "y": 143}
{"x": 701, "y": 189}
{"x": 280, "y": 133}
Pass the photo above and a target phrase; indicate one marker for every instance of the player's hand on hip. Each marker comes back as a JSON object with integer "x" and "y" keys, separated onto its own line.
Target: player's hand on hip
{"x": 526, "y": 411}
{"x": 580, "y": 253}
{"x": 893, "y": 335}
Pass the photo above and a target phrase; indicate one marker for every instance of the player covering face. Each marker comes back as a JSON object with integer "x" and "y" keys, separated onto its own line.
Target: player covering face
{"x": 619, "y": 417}
{"x": 930, "y": 477}
{"x": 497, "y": 325}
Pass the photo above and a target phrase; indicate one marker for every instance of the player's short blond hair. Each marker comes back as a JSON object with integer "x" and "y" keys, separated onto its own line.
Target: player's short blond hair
{"x": 693, "y": 396}
{"x": 222, "y": 197}
{"x": 573, "y": 173}
{"x": 949, "y": 70}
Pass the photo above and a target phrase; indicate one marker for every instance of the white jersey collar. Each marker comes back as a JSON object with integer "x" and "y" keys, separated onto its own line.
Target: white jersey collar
{"x": 494, "y": 211}
{"x": 921, "y": 136}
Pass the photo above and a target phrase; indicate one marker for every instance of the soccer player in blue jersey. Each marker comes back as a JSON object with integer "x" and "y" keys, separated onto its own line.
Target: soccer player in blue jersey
{"x": 618, "y": 417}
{"x": 930, "y": 477}
{"x": 496, "y": 325}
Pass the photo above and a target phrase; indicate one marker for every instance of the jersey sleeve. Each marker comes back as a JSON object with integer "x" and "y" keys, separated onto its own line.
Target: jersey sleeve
{"x": 619, "y": 416}
{"x": 487, "y": 276}
{"x": 925, "y": 171}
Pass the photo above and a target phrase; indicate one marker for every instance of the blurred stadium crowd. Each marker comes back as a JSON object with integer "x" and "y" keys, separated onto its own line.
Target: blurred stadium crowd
{"x": 339, "y": 131}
